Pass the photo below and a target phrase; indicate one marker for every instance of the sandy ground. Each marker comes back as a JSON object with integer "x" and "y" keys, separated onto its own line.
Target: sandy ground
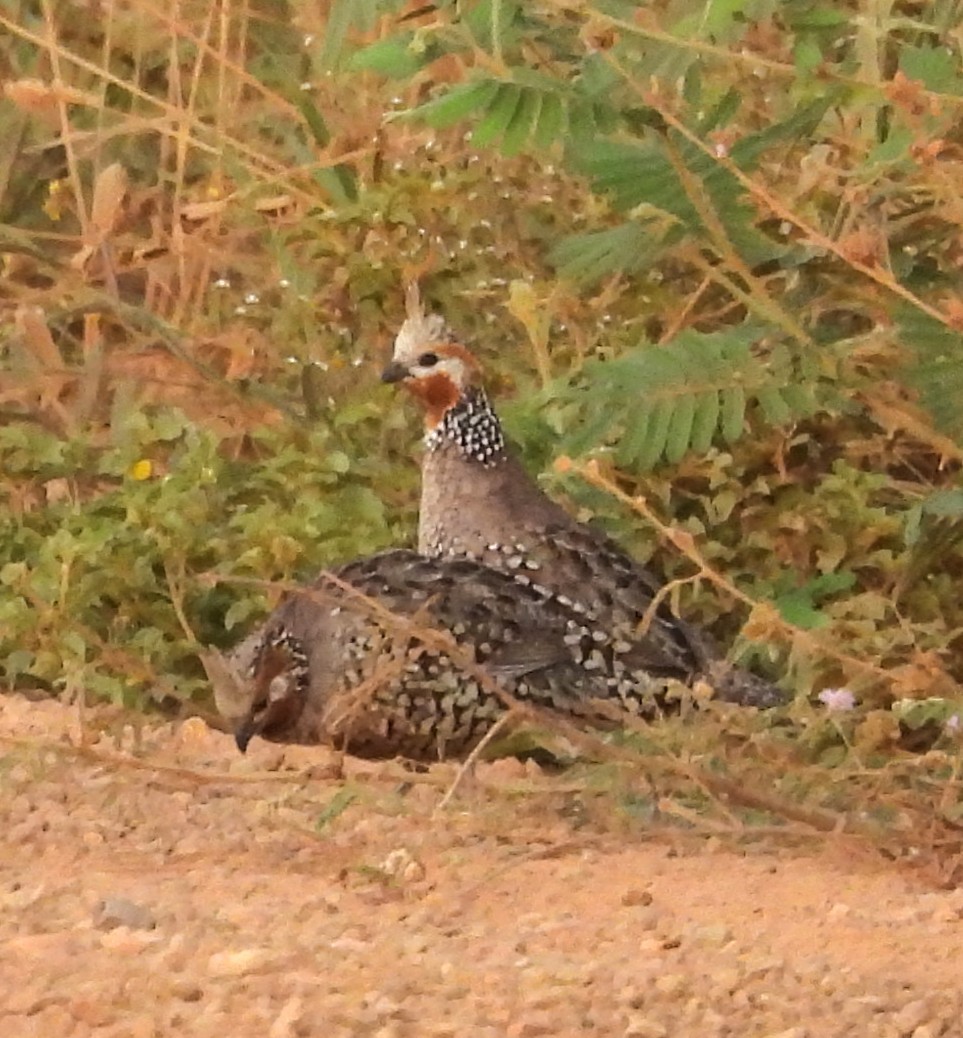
{"x": 172, "y": 887}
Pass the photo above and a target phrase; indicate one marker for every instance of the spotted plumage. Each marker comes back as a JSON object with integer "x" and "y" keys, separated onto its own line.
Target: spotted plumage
{"x": 472, "y": 425}
{"x": 481, "y": 503}
{"x": 408, "y": 668}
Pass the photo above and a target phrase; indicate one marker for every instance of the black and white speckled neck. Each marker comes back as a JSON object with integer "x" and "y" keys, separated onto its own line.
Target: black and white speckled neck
{"x": 473, "y": 427}
{"x": 291, "y": 646}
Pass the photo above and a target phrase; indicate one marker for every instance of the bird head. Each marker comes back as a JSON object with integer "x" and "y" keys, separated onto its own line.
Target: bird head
{"x": 275, "y": 689}
{"x": 430, "y": 363}
{"x": 274, "y": 710}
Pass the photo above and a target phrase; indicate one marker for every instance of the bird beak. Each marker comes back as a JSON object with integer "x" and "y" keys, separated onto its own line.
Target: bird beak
{"x": 253, "y": 723}
{"x": 395, "y": 372}
{"x": 246, "y": 731}
{"x": 271, "y": 715}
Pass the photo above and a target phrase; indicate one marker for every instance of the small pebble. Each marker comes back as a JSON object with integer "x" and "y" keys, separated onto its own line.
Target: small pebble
{"x": 643, "y": 1027}
{"x": 112, "y": 912}
{"x": 238, "y": 963}
{"x": 670, "y": 984}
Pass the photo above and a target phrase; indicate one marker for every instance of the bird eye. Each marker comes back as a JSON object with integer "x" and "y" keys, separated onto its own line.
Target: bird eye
{"x": 428, "y": 360}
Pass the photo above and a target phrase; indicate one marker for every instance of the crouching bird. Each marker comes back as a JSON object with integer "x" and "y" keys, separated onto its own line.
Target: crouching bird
{"x": 399, "y": 654}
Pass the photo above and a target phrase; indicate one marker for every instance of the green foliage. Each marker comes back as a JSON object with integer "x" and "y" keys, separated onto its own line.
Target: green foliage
{"x": 652, "y": 178}
{"x": 938, "y": 373}
{"x": 934, "y": 533}
{"x": 731, "y": 217}
{"x": 108, "y": 573}
{"x": 942, "y": 508}
{"x": 919, "y": 713}
{"x": 799, "y": 605}
{"x": 693, "y": 153}
{"x": 660, "y": 402}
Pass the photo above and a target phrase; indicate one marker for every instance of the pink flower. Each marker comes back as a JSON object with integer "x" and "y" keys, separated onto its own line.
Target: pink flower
{"x": 837, "y": 700}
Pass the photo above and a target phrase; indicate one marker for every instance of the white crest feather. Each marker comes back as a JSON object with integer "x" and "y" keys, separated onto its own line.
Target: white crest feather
{"x": 420, "y": 330}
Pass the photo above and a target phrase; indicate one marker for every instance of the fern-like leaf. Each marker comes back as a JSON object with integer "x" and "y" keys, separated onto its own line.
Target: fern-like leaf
{"x": 938, "y": 374}
{"x": 526, "y": 111}
{"x": 642, "y": 177}
{"x": 658, "y": 402}
{"x": 457, "y": 104}
{"x": 345, "y": 15}
{"x": 630, "y": 248}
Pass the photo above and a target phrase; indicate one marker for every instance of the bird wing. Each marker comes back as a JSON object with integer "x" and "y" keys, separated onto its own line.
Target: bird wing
{"x": 519, "y": 659}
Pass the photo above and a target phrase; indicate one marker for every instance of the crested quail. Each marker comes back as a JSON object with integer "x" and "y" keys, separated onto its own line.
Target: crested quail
{"x": 478, "y": 501}
{"x": 398, "y": 654}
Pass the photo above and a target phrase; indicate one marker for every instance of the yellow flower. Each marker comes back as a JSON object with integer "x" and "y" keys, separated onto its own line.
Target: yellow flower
{"x": 53, "y": 206}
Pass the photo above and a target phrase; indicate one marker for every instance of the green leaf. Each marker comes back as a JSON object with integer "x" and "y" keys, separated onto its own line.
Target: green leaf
{"x": 816, "y": 17}
{"x": 642, "y": 174}
{"x": 339, "y": 182}
{"x": 341, "y": 14}
{"x": 520, "y": 125}
{"x": 591, "y": 428}
{"x": 800, "y": 398}
{"x": 633, "y": 441}
{"x": 775, "y": 409}
{"x": 806, "y": 54}
{"x": 315, "y": 121}
{"x": 74, "y": 643}
{"x": 457, "y": 104}
{"x": 659, "y": 420}
{"x": 581, "y": 126}
{"x": 679, "y": 434}
{"x": 337, "y": 461}
{"x": 663, "y": 401}
{"x": 831, "y": 583}
{"x": 630, "y": 247}
{"x": 491, "y": 22}
{"x": 945, "y": 504}
{"x": 705, "y": 420}
{"x": 392, "y": 57}
{"x": 911, "y": 529}
{"x": 336, "y": 806}
{"x": 13, "y": 573}
{"x": 501, "y": 109}
{"x": 551, "y": 121}
{"x": 937, "y": 68}
{"x": 637, "y": 173}
{"x": 796, "y": 608}
{"x": 915, "y": 713}
{"x": 938, "y": 373}
{"x": 732, "y": 419}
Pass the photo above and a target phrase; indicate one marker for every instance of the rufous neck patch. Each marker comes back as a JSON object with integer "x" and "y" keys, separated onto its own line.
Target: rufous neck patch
{"x": 437, "y": 393}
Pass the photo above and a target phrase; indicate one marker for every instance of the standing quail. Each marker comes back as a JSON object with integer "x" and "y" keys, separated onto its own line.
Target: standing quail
{"x": 478, "y": 501}
{"x": 399, "y": 654}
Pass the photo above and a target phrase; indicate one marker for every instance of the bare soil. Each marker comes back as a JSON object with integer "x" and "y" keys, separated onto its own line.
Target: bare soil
{"x": 158, "y": 883}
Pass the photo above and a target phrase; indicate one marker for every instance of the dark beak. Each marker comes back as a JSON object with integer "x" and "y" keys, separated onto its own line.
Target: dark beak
{"x": 273, "y": 716}
{"x": 245, "y": 732}
{"x": 394, "y": 372}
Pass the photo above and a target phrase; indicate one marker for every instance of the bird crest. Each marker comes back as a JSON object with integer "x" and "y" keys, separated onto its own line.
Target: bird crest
{"x": 420, "y": 331}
